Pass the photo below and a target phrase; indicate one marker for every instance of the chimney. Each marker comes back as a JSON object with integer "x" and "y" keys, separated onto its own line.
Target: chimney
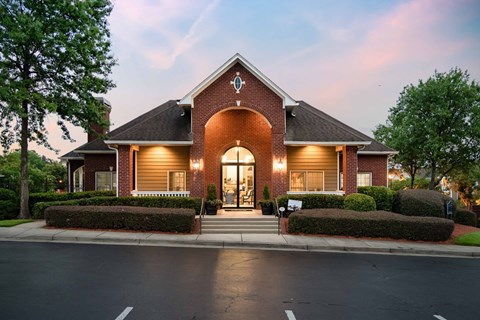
{"x": 96, "y": 130}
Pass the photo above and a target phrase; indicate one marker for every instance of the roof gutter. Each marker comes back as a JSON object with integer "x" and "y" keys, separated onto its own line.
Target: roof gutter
{"x": 149, "y": 143}
{"x": 327, "y": 143}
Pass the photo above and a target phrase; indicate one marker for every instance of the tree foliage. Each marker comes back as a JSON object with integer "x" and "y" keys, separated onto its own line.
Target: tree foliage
{"x": 435, "y": 125}
{"x": 54, "y": 57}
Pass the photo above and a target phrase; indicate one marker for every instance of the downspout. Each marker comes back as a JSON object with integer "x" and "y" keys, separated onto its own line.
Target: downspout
{"x": 69, "y": 179}
{"x": 116, "y": 166}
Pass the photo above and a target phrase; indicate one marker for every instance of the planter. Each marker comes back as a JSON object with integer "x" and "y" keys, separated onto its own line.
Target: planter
{"x": 267, "y": 210}
{"x": 210, "y": 209}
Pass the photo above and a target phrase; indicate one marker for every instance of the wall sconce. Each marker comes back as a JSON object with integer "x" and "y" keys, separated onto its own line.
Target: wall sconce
{"x": 280, "y": 165}
{"x": 196, "y": 165}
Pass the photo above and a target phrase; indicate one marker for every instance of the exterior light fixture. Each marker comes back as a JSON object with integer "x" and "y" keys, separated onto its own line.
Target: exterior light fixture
{"x": 196, "y": 165}
{"x": 280, "y": 165}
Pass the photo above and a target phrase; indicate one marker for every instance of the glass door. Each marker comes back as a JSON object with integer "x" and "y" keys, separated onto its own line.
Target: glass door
{"x": 238, "y": 178}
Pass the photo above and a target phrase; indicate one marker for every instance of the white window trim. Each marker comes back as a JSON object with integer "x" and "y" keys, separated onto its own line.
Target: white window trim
{"x": 184, "y": 178}
{"x": 306, "y": 180}
{"x": 81, "y": 175}
{"x": 111, "y": 179}
{"x": 370, "y": 174}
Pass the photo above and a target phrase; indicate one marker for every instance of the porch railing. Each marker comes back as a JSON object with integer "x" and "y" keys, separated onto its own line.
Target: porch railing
{"x": 160, "y": 193}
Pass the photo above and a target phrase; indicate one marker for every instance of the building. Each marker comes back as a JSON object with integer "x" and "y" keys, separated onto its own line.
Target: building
{"x": 238, "y": 130}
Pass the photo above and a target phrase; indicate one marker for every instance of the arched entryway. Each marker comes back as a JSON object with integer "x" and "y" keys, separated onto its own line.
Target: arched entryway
{"x": 238, "y": 178}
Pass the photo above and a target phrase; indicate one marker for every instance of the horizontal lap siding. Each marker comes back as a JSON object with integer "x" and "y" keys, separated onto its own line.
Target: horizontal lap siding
{"x": 153, "y": 163}
{"x": 314, "y": 158}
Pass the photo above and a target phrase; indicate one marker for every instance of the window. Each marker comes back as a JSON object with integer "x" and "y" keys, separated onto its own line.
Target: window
{"x": 306, "y": 180}
{"x": 177, "y": 181}
{"x": 78, "y": 179}
{"x": 105, "y": 181}
{"x": 364, "y": 179}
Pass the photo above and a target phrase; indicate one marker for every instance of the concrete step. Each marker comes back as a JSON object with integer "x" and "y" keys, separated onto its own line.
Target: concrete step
{"x": 226, "y": 222}
{"x": 239, "y": 226}
{"x": 259, "y": 225}
{"x": 239, "y": 231}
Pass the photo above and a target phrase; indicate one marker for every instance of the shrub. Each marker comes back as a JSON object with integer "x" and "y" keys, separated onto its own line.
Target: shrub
{"x": 8, "y": 204}
{"x": 157, "y": 202}
{"x": 314, "y": 201}
{"x": 53, "y": 196}
{"x": 121, "y": 217}
{"x": 359, "y": 202}
{"x": 369, "y": 224}
{"x": 465, "y": 217}
{"x": 383, "y": 196}
{"x": 421, "y": 203}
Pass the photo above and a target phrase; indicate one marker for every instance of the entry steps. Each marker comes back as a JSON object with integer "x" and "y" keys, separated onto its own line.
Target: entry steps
{"x": 257, "y": 225}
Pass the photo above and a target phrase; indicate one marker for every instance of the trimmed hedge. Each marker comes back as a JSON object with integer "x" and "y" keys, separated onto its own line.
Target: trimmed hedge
{"x": 8, "y": 204}
{"x": 156, "y": 202}
{"x": 313, "y": 201}
{"x": 383, "y": 196}
{"x": 360, "y": 202}
{"x": 64, "y": 196}
{"x": 369, "y": 224}
{"x": 465, "y": 217}
{"x": 416, "y": 202}
{"x": 121, "y": 217}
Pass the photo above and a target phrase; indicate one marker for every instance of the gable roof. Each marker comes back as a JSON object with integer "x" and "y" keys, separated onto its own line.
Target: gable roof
{"x": 187, "y": 100}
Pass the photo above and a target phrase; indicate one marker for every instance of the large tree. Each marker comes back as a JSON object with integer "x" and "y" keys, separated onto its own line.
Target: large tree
{"x": 55, "y": 56}
{"x": 436, "y": 125}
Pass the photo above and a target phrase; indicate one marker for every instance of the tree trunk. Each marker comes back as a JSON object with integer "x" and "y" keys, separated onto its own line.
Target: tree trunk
{"x": 24, "y": 194}
{"x": 431, "y": 185}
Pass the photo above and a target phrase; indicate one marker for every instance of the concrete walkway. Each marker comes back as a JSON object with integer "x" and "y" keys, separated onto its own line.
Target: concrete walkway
{"x": 36, "y": 231}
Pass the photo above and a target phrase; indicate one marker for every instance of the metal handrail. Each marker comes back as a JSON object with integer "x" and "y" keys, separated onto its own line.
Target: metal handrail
{"x": 279, "y": 214}
{"x": 202, "y": 213}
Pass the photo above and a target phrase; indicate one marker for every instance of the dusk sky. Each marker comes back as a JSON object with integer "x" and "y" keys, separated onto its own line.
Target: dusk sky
{"x": 351, "y": 59}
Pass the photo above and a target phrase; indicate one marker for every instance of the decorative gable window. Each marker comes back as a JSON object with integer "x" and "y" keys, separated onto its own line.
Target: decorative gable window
{"x": 177, "y": 180}
{"x": 105, "y": 181}
{"x": 303, "y": 180}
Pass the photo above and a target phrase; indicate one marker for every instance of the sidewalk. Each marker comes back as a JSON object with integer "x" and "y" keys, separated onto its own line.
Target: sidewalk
{"x": 35, "y": 231}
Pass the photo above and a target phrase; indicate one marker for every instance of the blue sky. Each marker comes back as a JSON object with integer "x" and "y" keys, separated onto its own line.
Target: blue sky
{"x": 350, "y": 59}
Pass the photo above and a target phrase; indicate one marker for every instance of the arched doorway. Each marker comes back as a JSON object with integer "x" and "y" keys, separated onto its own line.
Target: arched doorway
{"x": 238, "y": 178}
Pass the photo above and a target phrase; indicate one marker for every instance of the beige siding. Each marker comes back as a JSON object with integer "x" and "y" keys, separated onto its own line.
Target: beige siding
{"x": 153, "y": 164}
{"x": 314, "y": 158}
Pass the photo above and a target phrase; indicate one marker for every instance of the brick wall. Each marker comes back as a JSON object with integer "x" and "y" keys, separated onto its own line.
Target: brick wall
{"x": 94, "y": 163}
{"x": 349, "y": 164}
{"x": 265, "y": 114}
{"x": 125, "y": 170}
{"x": 377, "y": 165}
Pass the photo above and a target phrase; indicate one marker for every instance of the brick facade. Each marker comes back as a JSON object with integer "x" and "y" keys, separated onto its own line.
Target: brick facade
{"x": 255, "y": 107}
{"x": 94, "y": 163}
{"x": 349, "y": 166}
{"x": 375, "y": 164}
{"x": 125, "y": 171}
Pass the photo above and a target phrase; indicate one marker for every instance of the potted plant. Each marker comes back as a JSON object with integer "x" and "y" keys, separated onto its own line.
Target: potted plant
{"x": 212, "y": 203}
{"x": 266, "y": 204}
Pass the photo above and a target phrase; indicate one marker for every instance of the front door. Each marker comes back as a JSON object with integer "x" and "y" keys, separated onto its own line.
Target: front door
{"x": 238, "y": 178}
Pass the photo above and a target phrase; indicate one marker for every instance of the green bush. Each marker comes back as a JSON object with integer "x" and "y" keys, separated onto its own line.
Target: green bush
{"x": 465, "y": 217}
{"x": 121, "y": 217}
{"x": 360, "y": 202}
{"x": 64, "y": 196}
{"x": 156, "y": 202}
{"x": 418, "y": 202}
{"x": 369, "y": 224}
{"x": 383, "y": 196}
{"x": 313, "y": 201}
{"x": 8, "y": 204}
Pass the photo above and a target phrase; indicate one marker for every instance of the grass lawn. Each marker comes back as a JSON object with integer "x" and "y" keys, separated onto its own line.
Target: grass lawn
{"x": 469, "y": 239}
{"x": 11, "y": 223}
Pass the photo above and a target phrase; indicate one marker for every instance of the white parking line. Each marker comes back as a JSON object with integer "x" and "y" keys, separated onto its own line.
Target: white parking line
{"x": 439, "y": 317}
{"x": 290, "y": 315}
{"x": 124, "y": 314}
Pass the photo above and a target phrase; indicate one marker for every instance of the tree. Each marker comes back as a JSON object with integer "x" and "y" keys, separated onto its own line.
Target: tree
{"x": 54, "y": 57}
{"x": 436, "y": 125}
{"x": 465, "y": 182}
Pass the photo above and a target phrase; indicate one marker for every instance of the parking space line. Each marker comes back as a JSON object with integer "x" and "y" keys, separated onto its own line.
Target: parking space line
{"x": 124, "y": 314}
{"x": 439, "y": 317}
{"x": 290, "y": 315}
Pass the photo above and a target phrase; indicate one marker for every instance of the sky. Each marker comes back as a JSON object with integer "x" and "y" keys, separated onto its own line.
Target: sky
{"x": 350, "y": 59}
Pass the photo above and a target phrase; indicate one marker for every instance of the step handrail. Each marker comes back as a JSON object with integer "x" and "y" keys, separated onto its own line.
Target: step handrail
{"x": 279, "y": 215}
{"x": 202, "y": 213}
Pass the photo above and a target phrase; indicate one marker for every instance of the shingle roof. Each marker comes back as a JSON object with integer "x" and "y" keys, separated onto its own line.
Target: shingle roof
{"x": 72, "y": 155}
{"x": 312, "y": 125}
{"x": 163, "y": 123}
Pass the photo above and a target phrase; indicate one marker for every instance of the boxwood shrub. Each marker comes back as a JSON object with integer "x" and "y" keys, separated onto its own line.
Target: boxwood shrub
{"x": 369, "y": 224}
{"x": 157, "y": 202}
{"x": 8, "y": 204}
{"x": 416, "y": 202}
{"x": 121, "y": 217}
{"x": 64, "y": 196}
{"x": 360, "y": 202}
{"x": 383, "y": 196}
{"x": 313, "y": 201}
{"x": 465, "y": 217}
